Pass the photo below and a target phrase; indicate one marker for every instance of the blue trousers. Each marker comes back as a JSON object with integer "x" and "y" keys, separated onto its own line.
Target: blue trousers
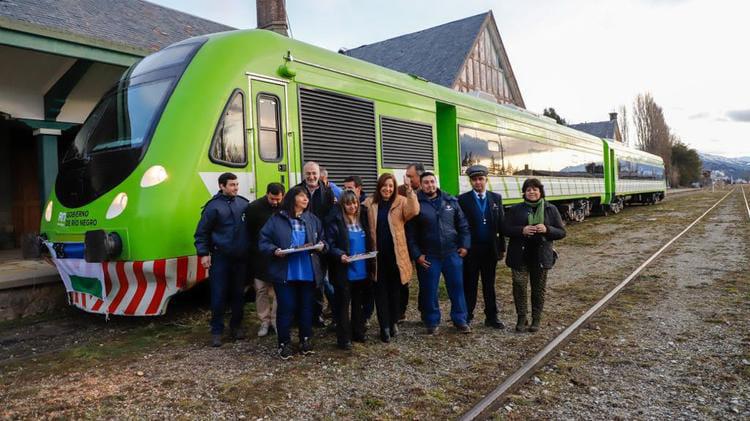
{"x": 294, "y": 298}
{"x": 227, "y": 279}
{"x": 451, "y": 266}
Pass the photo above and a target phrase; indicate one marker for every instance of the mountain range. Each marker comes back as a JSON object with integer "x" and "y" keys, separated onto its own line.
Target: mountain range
{"x": 731, "y": 167}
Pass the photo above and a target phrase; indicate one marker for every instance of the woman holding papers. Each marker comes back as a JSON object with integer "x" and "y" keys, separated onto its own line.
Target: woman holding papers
{"x": 348, "y": 234}
{"x": 293, "y": 240}
{"x": 387, "y": 214}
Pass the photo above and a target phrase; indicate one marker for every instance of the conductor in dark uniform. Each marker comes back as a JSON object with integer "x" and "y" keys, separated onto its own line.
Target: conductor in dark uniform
{"x": 484, "y": 211}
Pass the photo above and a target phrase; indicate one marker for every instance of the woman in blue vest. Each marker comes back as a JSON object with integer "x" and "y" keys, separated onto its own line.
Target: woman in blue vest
{"x": 348, "y": 234}
{"x": 295, "y": 275}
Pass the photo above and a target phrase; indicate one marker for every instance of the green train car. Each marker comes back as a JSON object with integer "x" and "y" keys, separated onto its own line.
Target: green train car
{"x": 119, "y": 222}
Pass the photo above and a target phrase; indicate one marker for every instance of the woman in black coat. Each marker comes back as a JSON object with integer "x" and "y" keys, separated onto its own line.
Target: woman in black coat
{"x": 532, "y": 226}
{"x": 347, "y": 231}
{"x": 295, "y": 275}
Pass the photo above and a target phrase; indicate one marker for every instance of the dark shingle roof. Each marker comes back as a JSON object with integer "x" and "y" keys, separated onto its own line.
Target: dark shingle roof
{"x": 605, "y": 129}
{"x": 136, "y": 24}
{"x": 435, "y": 54}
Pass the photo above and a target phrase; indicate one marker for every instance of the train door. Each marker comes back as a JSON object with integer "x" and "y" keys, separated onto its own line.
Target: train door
{"x": 268, "y": 102}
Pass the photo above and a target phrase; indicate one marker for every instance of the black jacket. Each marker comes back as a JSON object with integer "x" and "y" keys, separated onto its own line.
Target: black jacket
{"x": 517, "y": 218}
{"x": 222, "y": 228}
{"x": 337, "y": 235}
{"x": 469, "y": 205}
{"x": 452, "y": 230}
{"x": 277, "y": 233}
{"x": 321, "y": 201}
{"x": 258, "y": 213}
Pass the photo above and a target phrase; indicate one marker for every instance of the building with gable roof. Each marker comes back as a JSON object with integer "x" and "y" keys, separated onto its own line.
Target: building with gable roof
{"x": 59, "y": 58}
{"x": 608, "y": 129}
{"x": 466, "y": 55}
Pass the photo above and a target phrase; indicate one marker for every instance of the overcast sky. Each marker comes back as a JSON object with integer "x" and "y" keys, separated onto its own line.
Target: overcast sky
{"x": 582, "y": 57}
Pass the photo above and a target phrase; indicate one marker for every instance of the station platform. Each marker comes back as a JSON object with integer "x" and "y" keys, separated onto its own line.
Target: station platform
{"x": 15, "y": 272}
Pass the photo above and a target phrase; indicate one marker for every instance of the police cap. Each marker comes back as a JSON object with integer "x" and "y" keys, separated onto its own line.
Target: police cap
{"x": 476, "y": 170}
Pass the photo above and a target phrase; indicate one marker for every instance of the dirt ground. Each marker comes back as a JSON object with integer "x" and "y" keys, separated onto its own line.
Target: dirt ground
{"x": 77, "y": 365}
{"x": 675, "y": 345}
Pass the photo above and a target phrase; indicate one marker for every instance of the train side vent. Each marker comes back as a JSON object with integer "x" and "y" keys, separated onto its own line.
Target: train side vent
{"x": 405, "y": 142}
{"x": 338, "y": 132}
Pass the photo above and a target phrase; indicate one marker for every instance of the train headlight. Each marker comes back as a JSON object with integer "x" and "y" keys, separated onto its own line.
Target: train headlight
{"x": 48, "y": 212}
{"x": 153, "y": 176}
{"x": 118, "y": 205}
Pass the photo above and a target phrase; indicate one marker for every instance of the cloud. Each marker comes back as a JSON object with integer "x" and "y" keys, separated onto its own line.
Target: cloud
{"x": 742, "y": 116}
{"x": 699, "y": 116}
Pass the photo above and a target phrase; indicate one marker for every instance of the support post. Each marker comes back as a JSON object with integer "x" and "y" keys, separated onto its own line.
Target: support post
{"x": 47, "y": 157}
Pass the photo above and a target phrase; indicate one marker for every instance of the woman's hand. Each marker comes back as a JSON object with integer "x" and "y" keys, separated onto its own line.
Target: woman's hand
{"x": 345, "y": 259}
{"x": 541, "y": 228}
{"x": 278, "y": 253}
{"x": 320, "y": 246}
{"x": 529, "y": 230}
{"x": 422, "y": 261}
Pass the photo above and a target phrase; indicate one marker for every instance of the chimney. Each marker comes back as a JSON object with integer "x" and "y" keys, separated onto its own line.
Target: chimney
{"x": 272, "y": 16}
{"x": 612, "y": 116}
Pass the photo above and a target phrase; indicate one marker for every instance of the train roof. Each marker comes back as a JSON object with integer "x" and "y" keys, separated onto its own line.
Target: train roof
{"x": 636, "y": 154}
{"x": 304, "y": 54}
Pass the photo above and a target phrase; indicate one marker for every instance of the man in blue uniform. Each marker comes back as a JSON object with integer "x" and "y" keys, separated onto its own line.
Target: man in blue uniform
{"x": 484, "y": 211}
{"x": 438, "y": 240}
{"x": 221, "y": 241}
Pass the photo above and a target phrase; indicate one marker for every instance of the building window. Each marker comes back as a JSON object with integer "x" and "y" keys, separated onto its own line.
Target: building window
{"x": 228, "y": 146}
{"x": 269, "y": 128}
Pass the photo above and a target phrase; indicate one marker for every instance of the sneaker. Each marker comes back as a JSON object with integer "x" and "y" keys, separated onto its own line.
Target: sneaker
{"x": 432, "y": 330}
{"x": 394, "y": 330}
{"x": 285, "y": 351}
{"x": 216, "y": 340}
{"x": 306, "y": 347}
{"x": 263, "y": 330}
{"x": 494, "y": 323}
{"x": 464, "y": 328}
{"x": 237, "y": 334}
{"x": 346, "y": 346}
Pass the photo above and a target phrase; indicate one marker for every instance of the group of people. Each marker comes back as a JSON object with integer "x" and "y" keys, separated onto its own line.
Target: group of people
{"x": 320, "y": 242}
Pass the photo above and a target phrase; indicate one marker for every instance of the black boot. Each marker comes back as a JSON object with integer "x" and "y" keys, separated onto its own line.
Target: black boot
{"x": 521, "y": 323}
{"x": 385, "y": 335}
{"x": 535, "y": 321}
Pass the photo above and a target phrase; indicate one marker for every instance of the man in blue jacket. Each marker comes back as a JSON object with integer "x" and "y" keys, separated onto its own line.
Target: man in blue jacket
{"x": 484, "y": 212}
{"x": 438, "y": 240}
{"x": 221, "y": 241}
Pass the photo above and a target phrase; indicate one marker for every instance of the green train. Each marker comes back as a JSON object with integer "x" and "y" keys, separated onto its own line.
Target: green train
{"x": 120, "y": 219}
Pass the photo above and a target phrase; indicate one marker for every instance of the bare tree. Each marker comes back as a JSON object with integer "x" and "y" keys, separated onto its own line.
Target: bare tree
{"x": 652, "y": 131}
{"x": 622, "y": 122}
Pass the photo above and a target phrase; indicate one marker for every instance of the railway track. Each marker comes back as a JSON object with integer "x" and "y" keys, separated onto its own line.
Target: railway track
{"x": 493, "y": 400}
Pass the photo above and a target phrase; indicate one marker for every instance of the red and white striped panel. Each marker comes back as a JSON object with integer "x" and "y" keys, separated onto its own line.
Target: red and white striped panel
{"x": 88, "y": 302}
{"x": 142, "y": 288}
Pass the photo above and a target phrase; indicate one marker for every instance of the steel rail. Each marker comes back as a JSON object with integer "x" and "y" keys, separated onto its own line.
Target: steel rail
{"x": 747, "y": 206}
{"x": 487, "y": 405}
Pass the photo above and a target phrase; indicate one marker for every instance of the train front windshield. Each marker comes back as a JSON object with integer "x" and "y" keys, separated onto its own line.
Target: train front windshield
{"x": 115, "y": 136}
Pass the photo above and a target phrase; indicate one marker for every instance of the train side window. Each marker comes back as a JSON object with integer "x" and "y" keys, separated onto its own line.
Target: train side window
{"x": 228, "y": 146}
{"x": 269, "y": 128}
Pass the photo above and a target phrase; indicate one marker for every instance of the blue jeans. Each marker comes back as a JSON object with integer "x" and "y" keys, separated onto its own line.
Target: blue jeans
{"x": 294, "y": 298}
{"x": 451, "y": 266}
{"x": 227, "y": 278}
